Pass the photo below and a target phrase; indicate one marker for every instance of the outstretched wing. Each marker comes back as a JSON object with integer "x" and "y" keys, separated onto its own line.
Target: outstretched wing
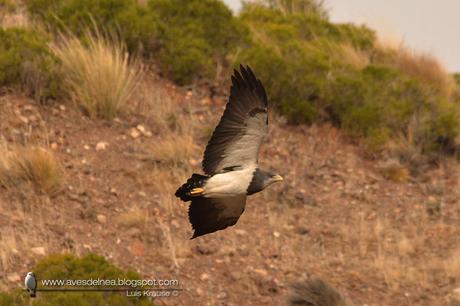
{"x": 242, "y": 128}
{"x": 208, "y": 215}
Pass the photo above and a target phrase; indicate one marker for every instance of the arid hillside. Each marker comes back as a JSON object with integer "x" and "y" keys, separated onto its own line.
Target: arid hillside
{"x": 364, "y": 225}
{"x": 105, "y": 110}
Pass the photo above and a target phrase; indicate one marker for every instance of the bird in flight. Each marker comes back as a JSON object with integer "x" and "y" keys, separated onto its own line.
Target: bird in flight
{"x": 230, "y": 161}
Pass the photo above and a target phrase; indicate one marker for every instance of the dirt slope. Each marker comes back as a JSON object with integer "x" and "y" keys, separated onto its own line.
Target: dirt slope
{"x": 378, "y": 241}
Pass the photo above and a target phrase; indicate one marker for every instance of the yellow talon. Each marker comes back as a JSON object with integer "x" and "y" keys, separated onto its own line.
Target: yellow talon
{"x": 196, "y": 191}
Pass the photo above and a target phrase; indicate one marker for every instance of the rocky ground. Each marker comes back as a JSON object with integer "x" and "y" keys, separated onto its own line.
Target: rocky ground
{"x": 380, "y": 239}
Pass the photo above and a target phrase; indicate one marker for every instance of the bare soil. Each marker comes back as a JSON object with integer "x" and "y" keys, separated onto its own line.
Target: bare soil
{"x": 378, "y": 241}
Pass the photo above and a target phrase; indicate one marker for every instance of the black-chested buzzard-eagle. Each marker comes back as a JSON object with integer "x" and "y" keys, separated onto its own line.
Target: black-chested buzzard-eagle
{"x": 231, "y": 159}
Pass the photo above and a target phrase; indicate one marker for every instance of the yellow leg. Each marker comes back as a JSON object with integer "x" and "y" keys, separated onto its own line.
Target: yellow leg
{"x": 196, "y": 191}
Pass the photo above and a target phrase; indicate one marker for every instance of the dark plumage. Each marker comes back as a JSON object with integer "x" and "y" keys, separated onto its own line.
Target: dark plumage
{"x": 259, "y": 181}
{"x": 230, "y": 160}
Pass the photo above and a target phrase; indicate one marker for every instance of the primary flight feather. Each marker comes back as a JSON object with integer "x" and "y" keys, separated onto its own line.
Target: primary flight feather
{"x": 230, "y": 160}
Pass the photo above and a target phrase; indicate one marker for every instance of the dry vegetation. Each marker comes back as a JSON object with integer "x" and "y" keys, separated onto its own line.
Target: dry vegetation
{"x": 98, "y": 74}
{"x": 366, "y": 226}
{"x": 30, "y": 163}
{"x": 420, "y": 65}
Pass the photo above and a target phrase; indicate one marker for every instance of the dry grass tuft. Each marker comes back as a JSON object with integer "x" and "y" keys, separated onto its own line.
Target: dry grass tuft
{"x": 420, "y": 65}
{"x": 174, "y": 151}
{"x": 357, "y": 58}
{"x": 13, "y": 15}
{"x": 98, "y": 74}
{"x": 133, "y": 218}
{"x": 33, "y": 164}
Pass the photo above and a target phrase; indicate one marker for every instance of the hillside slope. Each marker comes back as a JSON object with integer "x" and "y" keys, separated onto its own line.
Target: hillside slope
{"x": 337, "y": 217}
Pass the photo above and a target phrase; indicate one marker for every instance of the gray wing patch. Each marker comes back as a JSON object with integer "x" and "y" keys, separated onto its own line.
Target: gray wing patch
{"x": 209, "y": 215}
{"x": 242, "y": 128}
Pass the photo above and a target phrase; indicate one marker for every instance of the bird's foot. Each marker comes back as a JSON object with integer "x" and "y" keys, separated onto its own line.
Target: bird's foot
{"x": 196, "y": 192}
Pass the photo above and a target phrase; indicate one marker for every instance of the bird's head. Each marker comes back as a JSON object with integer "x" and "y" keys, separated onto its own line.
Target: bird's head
{"x": 271, "y": 178}
{"x": 31, "y": 274}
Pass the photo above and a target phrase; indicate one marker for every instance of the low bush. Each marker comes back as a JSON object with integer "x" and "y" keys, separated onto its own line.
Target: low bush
{"x": 26, "y": 60}
{"x": 123, "y": 18}
{"x": 315, "y": 70}
{"x": 66, "y": 266}
{"x": 195, "y": 36}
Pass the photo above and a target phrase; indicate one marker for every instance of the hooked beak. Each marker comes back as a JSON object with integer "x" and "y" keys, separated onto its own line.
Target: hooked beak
{"x": 277, "y": 178}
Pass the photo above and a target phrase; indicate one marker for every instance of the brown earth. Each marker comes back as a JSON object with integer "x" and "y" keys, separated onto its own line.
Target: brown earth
{"x": 336, "y": 216}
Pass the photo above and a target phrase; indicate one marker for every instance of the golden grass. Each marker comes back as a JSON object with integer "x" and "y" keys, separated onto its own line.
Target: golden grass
{"x": 133, "y": 218}
{"x": 33, "y": 164}
{"x": 420, "y": 65}
{"x": 357, "y": 58}
{"x": 98, "y": 74}
{"x": 174, "y": 151}
{"x": 12, "y": 15}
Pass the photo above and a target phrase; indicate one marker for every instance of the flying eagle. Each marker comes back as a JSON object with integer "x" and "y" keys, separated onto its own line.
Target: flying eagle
{"x": 230, "y": 160}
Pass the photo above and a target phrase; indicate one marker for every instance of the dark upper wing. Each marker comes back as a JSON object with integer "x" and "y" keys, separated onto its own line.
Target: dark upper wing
{"x": 208, "y": 215}
{"x": 242, "y": 128}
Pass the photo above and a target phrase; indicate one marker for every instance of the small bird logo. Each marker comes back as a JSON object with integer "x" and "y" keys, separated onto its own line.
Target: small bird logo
{"x": 31, "y": 284}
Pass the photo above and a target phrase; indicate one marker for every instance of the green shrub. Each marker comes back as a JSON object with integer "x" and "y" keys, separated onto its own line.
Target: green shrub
{"x": 457, "y": 78}
{"x": 70, "y": 267}
{"x": 195, "y": 35}
{"x": 125, "y": 18}
{"x": 315, "y": 70}
{"x": 25, "y": 59}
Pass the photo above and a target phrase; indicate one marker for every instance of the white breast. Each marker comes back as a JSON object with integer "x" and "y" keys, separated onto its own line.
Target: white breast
{"x": 229, "y": 183}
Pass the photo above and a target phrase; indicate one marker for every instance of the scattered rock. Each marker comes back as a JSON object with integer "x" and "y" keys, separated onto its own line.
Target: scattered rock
{"x": 222, "y": 295}
{"x": 100, "y": 146}
{"x": 199, "y": 291}
{"x": 241, "y": 232}
{"x": 235, "y": 275}
{"x": 134, "y": 133}
{"x": 86, "y": 147}
{"x": 276, "y": 234}
{"x": 204, "y": 276}
{"x": 62, "y": 107}
{"x": 456, "y": 294}
{"x": 24, "y": 119}
{"x": 38, "y": 251}
{"x": 101, "y": 219}
{"x": 144, "y": 131}
{"x": 205, "y": 249}
{"x": 113, "y": 191}
{"x": 54, "y": 146}
{"x": 141, "y": 128}
{"x": 261, "y": 272}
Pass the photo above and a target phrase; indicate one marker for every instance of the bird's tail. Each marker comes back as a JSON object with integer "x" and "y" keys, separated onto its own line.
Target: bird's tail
{"x": 316, "y": 293}
{"x": 33, "y": 294}
{"x": 184, "y": 192}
